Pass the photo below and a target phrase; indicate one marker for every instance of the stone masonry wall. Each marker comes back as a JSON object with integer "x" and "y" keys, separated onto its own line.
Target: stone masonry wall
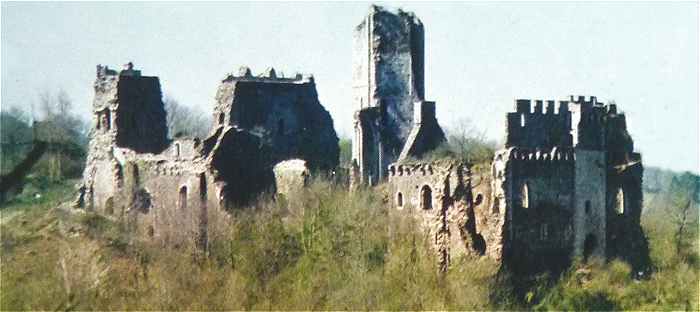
{"x": 535, "y": 191}
{"x": 284, "y": 112}
{"x": 441, "y": 196}
{"x": 426, "y": 134}
{"x": 388, "y": 74}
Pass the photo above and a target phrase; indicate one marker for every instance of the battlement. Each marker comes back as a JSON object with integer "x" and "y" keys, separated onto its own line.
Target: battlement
{"x": 556, "y": 154}
{"x": 582, "y": 99}
{"x": 412, "y": 169}
{"x": 268, "y": 76}
{"x": 424, "y": 168}
{"x": 578, "y": 120}
{"x": 527, "y": 106}
{"x": 539, "y": 124}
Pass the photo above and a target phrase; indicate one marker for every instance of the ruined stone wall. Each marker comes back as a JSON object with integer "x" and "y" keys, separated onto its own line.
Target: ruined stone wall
{"x": 442, "y": 196}
{"x": 625, "y": 237}
{"x": 243, "y": 164}
{"x": 426, "y": 134}
{"x": 285, "y": 113}
{"x": 388, "y": 74}
{"x": 535, "y": 190}
{"x": 429, "y": 193}
{"x": 589, "y": 203}
{"x": 160, "y": 198}
{"x": 578, "y": 121}
{"x": 532, "y": 127}
{"x": 161, "y": 190}
{"x": 489, "y": 220}
{"x": 388, "y": 62}
{"x": 594, "y": 192}
{"x": 139, "y": 116}
{"x": 367, "y": 148}
{"x": 291, "y": 176}
{"x": 171, "y": 200}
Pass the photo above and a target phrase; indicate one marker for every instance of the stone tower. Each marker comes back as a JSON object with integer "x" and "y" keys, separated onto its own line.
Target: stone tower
{"x": 388, "y": 70}
{"x": 570, "y": 185}
{"x": 128, "y": 110}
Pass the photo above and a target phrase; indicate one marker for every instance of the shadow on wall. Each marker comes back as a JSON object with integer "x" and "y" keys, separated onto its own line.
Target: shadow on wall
{"x": 243, "y": 163}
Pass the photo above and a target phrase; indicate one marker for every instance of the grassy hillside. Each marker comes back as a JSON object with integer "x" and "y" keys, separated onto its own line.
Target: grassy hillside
{"x": 324, "y": 249}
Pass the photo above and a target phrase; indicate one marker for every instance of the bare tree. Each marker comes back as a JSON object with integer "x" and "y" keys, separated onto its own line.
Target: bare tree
{"x": 184, "y": 120}
{"x": 682, "y": 208}
{"x": 465, "y": 142}
{"x": 65, "y": 133}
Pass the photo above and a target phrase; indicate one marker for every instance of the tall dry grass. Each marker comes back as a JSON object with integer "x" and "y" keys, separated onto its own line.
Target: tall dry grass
{"x": 324, "y": 248}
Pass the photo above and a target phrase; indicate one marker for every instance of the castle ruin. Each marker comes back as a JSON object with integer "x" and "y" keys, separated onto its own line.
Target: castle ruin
{"x": 388, "y": 89}
{"x": 566, "y": 184}
{"x": 169, "y": 189}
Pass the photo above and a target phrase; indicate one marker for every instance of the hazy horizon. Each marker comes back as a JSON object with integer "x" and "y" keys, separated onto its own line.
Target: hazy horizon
{"x": 480, "y": 57}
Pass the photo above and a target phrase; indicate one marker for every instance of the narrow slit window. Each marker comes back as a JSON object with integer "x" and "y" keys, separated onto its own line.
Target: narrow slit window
{"x": 183, "y": 198}
{"x": 620, "y": 202}
{"x": 426, "y": 198}
{"x": 525, "y": 197}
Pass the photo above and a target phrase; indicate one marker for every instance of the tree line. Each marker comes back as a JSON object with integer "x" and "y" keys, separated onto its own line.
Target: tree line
{"x": 51, "y": 127}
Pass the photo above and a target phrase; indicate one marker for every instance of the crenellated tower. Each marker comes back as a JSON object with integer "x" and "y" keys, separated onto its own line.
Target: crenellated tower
{"x": 595, "y": 192}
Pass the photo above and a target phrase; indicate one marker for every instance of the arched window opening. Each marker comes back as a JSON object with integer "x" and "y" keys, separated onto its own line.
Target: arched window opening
{"x": 620, "y": 201}
{"x": 177, "y": 150}
{"x": 108, "y": 119}
{"x": 143, "y": 200}
{"x": 479, "y": 199}
{"x": 118, "y": 175}
{"x": 221, "y": 198}
{"x": 496, "y": 205}
{"x": 588, "y": 207}
{"x": 522, "y": 120}
{"x": 98, "y": 126}
{"x": 399, "y": 199}
{"x": 525, "y": 197}
{"x": 221, "y": 118}
{"x": 202, "y": 187}
{"x": 135, "y": 174}
{"x": 426, "y": 197}
{"x": 109, "y": 206}
{"x": 183, "y": 198}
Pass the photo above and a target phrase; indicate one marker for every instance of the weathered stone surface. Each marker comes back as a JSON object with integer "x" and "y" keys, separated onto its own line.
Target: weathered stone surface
{"x": 284, "y": 112}
{"x": 426, "y": 134}
{"x": 171, "y": 190}
{"x": 569, "y": 166}
{"x": 566, "y": 185}
{"x": 291, "y": 176}
{"x": 132, "y": 103}
{"x": 439, "y": 194}
{"x": 388, "y": 78}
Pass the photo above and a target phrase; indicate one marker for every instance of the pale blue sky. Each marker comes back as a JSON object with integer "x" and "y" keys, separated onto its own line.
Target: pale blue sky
{"x": 479, "y": 56}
